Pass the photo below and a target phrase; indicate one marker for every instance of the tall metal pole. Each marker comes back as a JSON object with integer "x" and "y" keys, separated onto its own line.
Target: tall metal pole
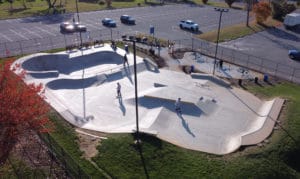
{"x": 221, "y": 11}
{"x": 248, "y": 11}
{"x": 136, "y": 95}
{"x": 78, "y": 20}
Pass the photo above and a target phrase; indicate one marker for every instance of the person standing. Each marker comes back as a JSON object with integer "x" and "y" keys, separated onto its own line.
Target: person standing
{"x": 119, "y": 95}
{"x": 125, "y": 60}
{"x": 178, "y": 106}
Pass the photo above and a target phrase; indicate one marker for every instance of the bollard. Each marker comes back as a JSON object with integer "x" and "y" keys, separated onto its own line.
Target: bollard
{"x": 256, "y": 80}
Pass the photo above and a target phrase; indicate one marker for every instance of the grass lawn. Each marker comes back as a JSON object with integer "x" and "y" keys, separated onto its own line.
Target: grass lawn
{"x": 40, "y": 7}
{"x": 278, "y": 159}
{"x": 237, "y": 31}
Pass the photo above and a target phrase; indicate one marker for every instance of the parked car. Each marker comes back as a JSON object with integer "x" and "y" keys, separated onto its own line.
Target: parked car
{"x": 292, "y": 21}
{"x": 67, "y": 27}
{"x": 109, "y": 22}
{"x": 79, "y": 27}
{"x": 189, "y": 24}
{"x": 126, "y": 19}
{"x": 294, "y": 54}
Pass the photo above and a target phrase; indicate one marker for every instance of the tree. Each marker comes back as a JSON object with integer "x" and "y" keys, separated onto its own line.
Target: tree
{"x": 108, "y": 3}
{"x": 204, "y": 1}
{"x": 229, "y": 2}
{"x": 11, "y": 4}
{"x": 262, "y": 11}
{"x": 21, "y": 109}
{"x": 51, "y": 5}
{"x": 280, "y": 8}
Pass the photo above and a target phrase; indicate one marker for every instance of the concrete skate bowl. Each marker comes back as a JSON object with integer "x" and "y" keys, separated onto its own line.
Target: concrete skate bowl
{"x": 61, "y": 63}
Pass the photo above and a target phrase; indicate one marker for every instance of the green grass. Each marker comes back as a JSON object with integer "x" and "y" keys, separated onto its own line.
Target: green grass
{"x": 64, "y": 134}
{"x": 40, "y": 7}
{"x": 237, "y": 31}
{"x": 279, "y": 159}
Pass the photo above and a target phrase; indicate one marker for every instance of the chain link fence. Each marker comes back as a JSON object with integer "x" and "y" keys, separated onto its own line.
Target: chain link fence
{"x": 23, "y": 47}
{"x": 262, "y": 65}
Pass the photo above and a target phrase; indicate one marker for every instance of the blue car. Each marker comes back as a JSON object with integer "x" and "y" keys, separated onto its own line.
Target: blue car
{"x": 294, "y": 54}
{"x": 109, "y": 22}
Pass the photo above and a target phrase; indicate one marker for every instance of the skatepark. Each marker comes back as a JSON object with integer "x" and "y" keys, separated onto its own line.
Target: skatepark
{"x": 216, "y": 117}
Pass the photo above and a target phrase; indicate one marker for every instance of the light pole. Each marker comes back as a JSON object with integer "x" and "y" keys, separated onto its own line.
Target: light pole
{"x": 221, "y": 10}
{"x": 136, "y": 96}
{"x": 78, "y": 22}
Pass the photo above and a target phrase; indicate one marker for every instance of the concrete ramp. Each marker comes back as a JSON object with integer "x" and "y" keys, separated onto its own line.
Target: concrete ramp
{"x": 267, "y": 127}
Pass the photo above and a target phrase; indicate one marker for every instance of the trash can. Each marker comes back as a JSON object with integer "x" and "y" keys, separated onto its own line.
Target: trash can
{"x": 266, "y": 77}
{"x": 126, "y": 49}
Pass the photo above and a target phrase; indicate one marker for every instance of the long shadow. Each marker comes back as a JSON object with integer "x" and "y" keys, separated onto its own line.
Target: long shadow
{"x": 186, "y": 125}
{"x": 143, "y": 160}
{"x": 151, "y": 103}
{"x": 128, "y": 74}
{"x": 49, "y": 19}
{"x": 283, "y": 34}
{"x": 73, "y": 83}
{"x": 60, "y": 62}
{"x": 122, "y": 107}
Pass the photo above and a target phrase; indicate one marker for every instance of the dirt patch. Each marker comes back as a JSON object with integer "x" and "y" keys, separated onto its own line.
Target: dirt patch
{"x": 88, "y": 142}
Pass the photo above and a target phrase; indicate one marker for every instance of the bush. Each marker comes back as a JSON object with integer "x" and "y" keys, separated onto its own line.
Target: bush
{"x": 204, "y": 1}
{"x": 280, "y": 9}
{"x": 101, "y": 2}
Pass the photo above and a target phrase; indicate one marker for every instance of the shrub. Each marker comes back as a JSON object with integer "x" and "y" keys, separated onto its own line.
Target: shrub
{"x": 101, "y": 2}
{"x": 204, "y": 1}
{"x": 281, "y": 8}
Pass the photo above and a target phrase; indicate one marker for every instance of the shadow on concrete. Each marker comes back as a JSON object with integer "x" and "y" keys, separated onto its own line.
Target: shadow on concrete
{"x": 151, "y": 103}
{"x": 53, "y": 74}
{"x": 213, "y": 79}
{"x": 122, "y": 107}
{"x": 186, "y": 126}
{"x": 74, "y": 83}
{"x": 64, "y": 65}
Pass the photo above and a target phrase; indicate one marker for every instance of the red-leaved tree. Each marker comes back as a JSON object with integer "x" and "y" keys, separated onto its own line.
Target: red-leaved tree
{"x": 21, "y": 109}
{"x": 262, "y": 11}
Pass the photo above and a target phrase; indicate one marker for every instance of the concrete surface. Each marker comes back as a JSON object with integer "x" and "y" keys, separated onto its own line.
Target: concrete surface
{"x": 215, "y": 118}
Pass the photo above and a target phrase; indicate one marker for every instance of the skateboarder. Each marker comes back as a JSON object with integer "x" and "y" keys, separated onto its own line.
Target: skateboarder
{"x": 119, "y": 90}
{"x": 178, "y": 106}
{"x": 125, "y": 60}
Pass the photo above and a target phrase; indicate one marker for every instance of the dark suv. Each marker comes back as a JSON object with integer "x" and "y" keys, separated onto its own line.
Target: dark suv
{"x": 126, "y": 19}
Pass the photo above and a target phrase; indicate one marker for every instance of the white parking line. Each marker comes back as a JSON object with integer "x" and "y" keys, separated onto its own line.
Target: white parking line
{"x": 4, "y": 36}
{"x": 91, "y": 23}
{"x": 19, "y": 34}
{"x": 30, "y": 32}
{"x": 41, "y": 29}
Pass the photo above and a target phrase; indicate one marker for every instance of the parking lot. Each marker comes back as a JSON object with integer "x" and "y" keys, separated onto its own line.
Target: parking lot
{"x": 272, "y": 45}
{"x": 165, "y": 19}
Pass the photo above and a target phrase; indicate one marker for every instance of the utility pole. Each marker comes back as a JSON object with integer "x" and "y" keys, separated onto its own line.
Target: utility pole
{"x": 221, "y": 10}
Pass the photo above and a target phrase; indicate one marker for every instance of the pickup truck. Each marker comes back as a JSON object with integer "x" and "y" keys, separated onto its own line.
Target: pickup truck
{"x": 188, "y": 24}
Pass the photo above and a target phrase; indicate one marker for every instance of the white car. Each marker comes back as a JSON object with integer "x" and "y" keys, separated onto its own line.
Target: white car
{"x": 189, "y": 24}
